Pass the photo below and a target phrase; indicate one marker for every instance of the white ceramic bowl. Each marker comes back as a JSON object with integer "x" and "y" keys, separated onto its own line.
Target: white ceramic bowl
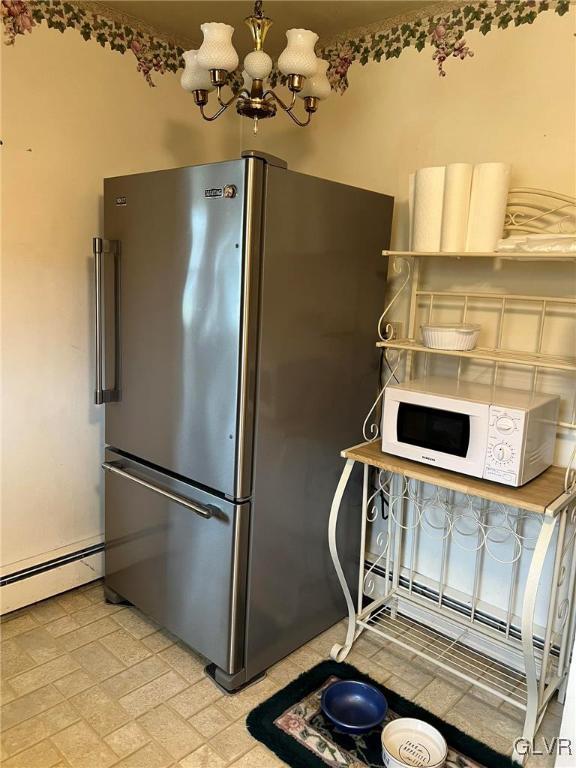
{"x": 457, "y": 336}
{"x": 411, "y": 743}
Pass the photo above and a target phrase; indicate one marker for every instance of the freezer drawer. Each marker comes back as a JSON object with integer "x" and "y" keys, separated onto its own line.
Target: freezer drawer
{"x": 179, "y": 554}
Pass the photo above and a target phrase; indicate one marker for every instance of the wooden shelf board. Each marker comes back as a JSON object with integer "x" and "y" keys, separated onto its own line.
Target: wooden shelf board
{"x": 535, "y": 496}
{"x": 481, "y": 353}
{"x": 538, "y": 256}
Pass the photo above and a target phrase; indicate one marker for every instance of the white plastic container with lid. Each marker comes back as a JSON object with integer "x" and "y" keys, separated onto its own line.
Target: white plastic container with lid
{"x": 455, "y": 336}
{"x": 411, "y": 743}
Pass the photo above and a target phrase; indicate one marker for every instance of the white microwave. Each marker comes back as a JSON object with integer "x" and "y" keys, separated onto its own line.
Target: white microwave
{"x": 504, "y": 435}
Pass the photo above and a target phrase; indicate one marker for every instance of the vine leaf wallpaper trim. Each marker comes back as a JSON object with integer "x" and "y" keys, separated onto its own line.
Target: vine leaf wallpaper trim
{"x": 443, "y": 31}
{"x": 152, "y": 53}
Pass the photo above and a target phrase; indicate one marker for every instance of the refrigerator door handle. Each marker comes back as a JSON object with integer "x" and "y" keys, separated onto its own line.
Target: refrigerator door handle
{"x": 204, "y": 510}
{"x": 99, "y": 247}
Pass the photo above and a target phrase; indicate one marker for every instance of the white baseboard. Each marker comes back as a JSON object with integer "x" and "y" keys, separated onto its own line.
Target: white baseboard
{"x": 43, "y": 557}
{"x": 48, "y": 582}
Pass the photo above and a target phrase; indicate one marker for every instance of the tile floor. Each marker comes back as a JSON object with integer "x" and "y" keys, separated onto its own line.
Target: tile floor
{"x": 91, "y": 685}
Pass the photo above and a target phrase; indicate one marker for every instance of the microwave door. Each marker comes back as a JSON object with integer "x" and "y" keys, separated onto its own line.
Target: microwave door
{"x": 438, "y": 431}
{"x": 434, "y": 429}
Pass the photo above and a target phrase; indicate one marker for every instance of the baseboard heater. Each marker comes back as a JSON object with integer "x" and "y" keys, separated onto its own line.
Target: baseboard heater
{"x": 50, "y": 565}
{"x": 480, "y": 617}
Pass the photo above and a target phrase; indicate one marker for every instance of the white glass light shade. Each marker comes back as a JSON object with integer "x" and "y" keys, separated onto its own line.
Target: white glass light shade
{"x": 246, "y": 81}
{"x": 317, "y": 85}
{"x": 298, "y": 58}
{"x": 258, "y": 65}
{"x": 194, "y": 78}
{"x": 217, "y": 51}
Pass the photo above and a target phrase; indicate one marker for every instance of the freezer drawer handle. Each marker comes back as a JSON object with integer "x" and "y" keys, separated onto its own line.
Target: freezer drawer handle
{"x": 204, "y": 510}
{"x": 100, "y": 246}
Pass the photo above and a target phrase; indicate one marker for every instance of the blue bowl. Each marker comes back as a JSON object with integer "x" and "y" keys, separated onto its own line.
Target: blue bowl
{"x": 354, "y": 707}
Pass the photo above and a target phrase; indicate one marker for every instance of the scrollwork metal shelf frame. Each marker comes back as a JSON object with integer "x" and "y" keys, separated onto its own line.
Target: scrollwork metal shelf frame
{"x": 525, "y": 666}
{"x": 540, "y": 211}
{"x": 424, "y": 305}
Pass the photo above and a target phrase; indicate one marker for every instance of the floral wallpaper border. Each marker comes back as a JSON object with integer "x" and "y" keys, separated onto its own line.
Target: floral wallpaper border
{"x": 443, "y": 31}
{"x": 152, "y": 53}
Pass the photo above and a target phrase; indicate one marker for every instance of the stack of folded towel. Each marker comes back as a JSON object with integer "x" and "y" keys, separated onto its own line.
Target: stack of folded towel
{"x": 544, "y": 243}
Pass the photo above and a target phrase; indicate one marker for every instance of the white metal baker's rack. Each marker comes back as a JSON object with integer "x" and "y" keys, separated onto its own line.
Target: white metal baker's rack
{"x": 523, "y": 667}
{"x": 424, "y": 302}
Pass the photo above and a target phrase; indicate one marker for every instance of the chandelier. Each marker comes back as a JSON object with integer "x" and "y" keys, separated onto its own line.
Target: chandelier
{"x": 212, "y": 66}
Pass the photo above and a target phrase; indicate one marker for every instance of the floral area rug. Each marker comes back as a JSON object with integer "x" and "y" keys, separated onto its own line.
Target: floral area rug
{"x": 291, "y": 724}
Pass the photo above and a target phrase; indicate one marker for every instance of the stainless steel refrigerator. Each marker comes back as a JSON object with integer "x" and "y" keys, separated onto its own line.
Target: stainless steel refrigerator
{"x": 236, "y": 308}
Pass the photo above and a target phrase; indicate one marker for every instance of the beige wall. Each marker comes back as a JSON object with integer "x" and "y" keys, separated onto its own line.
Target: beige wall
{"x": 514, "y": 101}
{"x": 73, "y": 114}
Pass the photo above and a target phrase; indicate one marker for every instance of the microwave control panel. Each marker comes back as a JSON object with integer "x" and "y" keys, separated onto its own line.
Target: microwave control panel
{"x": 504, "y": 446}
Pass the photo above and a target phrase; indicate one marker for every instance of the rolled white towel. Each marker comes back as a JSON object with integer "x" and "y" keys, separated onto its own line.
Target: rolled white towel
{"x": 428, "y": 201}
{"x": 488, "y": 200}
{"x": 411, "y": 181}
{"x": 456, "y": 206}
